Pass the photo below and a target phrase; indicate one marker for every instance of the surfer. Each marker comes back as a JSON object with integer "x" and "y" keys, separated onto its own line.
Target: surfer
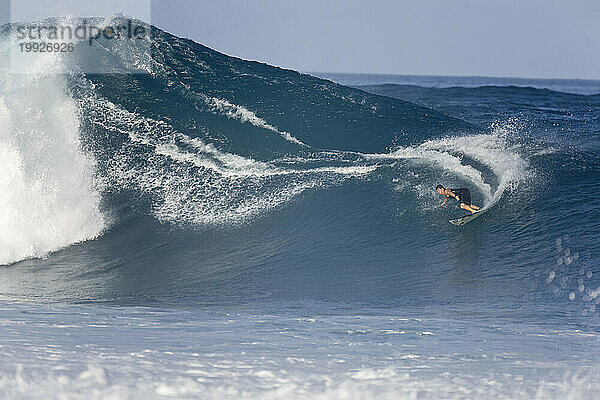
{"x": 462, "y": 195}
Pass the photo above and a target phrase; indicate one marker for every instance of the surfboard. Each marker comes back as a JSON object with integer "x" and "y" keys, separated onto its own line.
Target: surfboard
{"x": 467, "y": 218}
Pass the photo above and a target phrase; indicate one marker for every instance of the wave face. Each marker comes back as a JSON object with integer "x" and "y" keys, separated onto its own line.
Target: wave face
{"x": 214, "y": 180}
{"x": 195, "y": 138}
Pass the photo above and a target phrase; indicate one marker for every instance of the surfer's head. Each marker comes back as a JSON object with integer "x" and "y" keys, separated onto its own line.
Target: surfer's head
{"x": 440, "y": 189}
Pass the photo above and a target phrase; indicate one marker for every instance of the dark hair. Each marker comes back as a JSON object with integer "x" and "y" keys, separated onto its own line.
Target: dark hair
{"x": 439, "y": 187}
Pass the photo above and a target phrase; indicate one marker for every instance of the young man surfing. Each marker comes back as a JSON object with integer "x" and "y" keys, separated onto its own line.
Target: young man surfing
{"x": 462, "y": 195}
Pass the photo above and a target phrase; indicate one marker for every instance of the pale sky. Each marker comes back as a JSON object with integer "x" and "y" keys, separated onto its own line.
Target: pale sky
{"x": 503, "y": 38}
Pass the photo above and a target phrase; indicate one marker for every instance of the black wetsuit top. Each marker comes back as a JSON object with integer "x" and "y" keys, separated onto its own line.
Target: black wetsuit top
{"x": 462, "y": 195}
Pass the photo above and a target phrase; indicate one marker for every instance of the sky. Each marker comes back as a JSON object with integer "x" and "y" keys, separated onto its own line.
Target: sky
{"x": 508, "y": 38}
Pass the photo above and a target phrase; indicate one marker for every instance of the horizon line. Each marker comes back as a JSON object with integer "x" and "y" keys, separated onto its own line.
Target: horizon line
{"x": 451, "y": 76}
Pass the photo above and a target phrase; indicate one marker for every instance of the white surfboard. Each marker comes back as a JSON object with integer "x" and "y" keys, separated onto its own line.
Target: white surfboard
{"x": 467, "y": 218}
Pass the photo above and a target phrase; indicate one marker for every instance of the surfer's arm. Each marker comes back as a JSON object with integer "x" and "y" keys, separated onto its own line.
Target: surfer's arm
{"x": 445, "y": 200}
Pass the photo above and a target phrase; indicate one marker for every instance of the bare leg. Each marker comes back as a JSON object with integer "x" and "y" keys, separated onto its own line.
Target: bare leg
{"x": 475, "y": 207}
{"x": 467, "y": 207}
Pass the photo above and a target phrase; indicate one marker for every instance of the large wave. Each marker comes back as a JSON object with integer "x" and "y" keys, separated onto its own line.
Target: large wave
{"x": 206, "y": 139}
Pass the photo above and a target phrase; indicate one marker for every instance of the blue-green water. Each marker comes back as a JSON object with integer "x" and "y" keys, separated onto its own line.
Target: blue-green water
{"x": 219, "y": 228}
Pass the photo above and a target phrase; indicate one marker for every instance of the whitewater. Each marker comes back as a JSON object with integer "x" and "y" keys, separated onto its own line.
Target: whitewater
{"x": 199, "y": 226}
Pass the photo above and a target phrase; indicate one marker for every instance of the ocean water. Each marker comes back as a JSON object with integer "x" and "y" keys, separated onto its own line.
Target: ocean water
{"x": 223, "y": 229}
{"x": 574, "y": 86}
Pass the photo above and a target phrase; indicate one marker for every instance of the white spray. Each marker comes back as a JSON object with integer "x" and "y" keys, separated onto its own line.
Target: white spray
{"x": 47, "y": 196}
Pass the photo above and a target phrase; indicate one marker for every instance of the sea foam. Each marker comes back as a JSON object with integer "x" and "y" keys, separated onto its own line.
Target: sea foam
{"x": 46, "y": 181}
